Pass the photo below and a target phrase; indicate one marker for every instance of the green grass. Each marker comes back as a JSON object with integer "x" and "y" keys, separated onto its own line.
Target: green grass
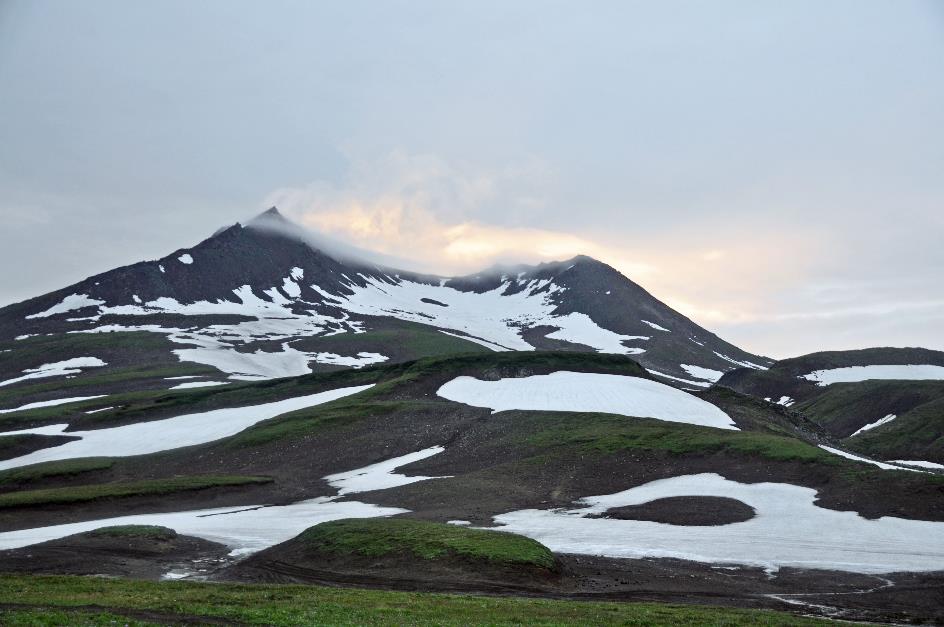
{"x": 291, "y": 605}
{"x": 150, "y": 487}
{"x": 606, "y": 434}
{"x": 425, "y": 540}
{"x": 15, "y": 396}
{"x": 155, "y": 532}
{"x": 61, "y": 468}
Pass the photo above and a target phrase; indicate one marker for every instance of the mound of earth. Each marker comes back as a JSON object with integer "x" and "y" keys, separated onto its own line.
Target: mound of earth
{"x": 685, "y": 510}
{"x": 12, "y": 446}
{"x": 136, "y": 551}
{"x": 404, "y": 554}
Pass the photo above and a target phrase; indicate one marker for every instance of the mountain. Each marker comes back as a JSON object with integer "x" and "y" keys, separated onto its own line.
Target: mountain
{"x": 269, "y": 300}
{"x": 886, "y": 403}
{"x": 202, "y": 416}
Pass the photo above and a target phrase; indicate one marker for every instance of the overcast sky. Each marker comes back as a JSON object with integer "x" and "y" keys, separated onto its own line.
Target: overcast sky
{"x": 775, "y": 170}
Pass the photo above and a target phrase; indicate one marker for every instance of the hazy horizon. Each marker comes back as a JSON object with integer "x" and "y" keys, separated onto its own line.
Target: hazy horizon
{"x": 771, "y": 171}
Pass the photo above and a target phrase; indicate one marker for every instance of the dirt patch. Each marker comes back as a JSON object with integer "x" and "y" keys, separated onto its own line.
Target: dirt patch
{"x": 685, "y": 510}
{"x": 12, "y": 446}
{"x": 133, "y": 556}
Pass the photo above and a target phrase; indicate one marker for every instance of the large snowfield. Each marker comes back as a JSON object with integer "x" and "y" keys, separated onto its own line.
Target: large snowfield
{"x": 170, "y": 433}
{"x": 587, "y": 392}
{"x": 788, "y": 530}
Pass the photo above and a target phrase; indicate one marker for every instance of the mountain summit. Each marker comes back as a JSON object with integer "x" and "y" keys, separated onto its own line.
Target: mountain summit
{"x": 268, "y": 299}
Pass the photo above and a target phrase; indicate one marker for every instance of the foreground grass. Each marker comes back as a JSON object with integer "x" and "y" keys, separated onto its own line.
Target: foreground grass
{"x": 426, "y": 540}
{"x": 149, "y": 487}
{"x": 62, "y": 598}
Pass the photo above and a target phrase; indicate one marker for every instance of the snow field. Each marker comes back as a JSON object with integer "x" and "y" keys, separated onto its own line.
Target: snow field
{"x": 587, "y": 392}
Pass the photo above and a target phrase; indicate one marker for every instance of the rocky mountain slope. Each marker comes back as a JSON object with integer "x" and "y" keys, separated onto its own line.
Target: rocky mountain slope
{"x": 263, "y": 301}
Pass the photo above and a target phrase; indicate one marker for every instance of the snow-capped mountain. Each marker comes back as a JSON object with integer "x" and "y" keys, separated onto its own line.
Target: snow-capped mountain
{"x": 264, "y": 301}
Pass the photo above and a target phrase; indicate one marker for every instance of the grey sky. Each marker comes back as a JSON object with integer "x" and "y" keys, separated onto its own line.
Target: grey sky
{"x": 772, "y": 169}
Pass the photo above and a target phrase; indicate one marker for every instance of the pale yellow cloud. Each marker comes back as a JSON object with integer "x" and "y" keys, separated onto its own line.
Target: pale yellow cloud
{"x": 416, "y": 209}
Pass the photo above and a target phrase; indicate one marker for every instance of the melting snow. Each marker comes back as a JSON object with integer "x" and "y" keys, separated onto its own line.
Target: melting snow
{"x": 852, "y": 374}
{"x": 380, "y": 476}
{"x": 654, "y": 325}
{"x": 493, "y": 316}
{"x": 196, "y": 384}
{"x": 587, "y": 392}
{"x": 841, "y": 453}
{"x": 702, "y": 373}
{"x": 69, "y": 303}
{"x": 58, "y": 401}
{"x": 185, "y": 259}
{"x": 743, "y": 364}
{"x": 698, "y": 384}
{"x": 786, "y": 401}
{"x": 919, "y": 464}
{"x": 57, "y": 369}
{"x": 170, "y": 433}
{"x": 788, "y": 530}
{"x": 872, "y": 425}
{"x": 95, "y": 411}
{"x": 362, "y": 359}
{"x": 250, "y": 528}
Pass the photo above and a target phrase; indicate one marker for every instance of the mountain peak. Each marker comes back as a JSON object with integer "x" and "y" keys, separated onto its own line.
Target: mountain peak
{"x": 272, "y": 215}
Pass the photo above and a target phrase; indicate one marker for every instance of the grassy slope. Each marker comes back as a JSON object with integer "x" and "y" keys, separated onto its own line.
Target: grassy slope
{"x": 915, "y": 435}
{"x": 425, "y": 540}
{"x": 60, "y": 468}
{"x": 153, "y": 487}
{"x": 64, "y": 597}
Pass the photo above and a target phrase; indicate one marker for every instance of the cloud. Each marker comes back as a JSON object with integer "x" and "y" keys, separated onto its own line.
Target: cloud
{"x": 766, "y": 280}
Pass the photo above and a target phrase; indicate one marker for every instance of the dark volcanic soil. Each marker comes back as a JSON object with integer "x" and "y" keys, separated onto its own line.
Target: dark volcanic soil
{"x": 94, "y": 553}
{"x": 12, "y": 446}
{"x": 685, "y": 510}
{"x": 915, "y": 598}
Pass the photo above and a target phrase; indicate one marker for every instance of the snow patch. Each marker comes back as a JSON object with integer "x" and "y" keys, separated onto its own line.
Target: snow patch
{"x": 493, "y": 316}
{"x": 69, "y": 303}
{"x": 170, "y": 433}
{"x": 878, "y": 423}
{"x": 246, "y": 529}
{"x": 789, "y": 530}
{"x": 381, "y": 475}
{"x": 699, "y": 384}
{"x": 919, "y": 464}
{"x": 654, "y": 325}
{"x": 743, "y": 364}
{"x": 185, "y": 259}
{"x": 786, "y": 401}
{"x": 851, "y": 374}
{"x": 53, "y": 403}
{"x": 57, "y": 369}
{"x": 197, "y": 384}
{"x": 362, "y": 359}
{"x": 882, "y": 465}
{"x": 702, "y": 373}
{"x": 587, "y": 392}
